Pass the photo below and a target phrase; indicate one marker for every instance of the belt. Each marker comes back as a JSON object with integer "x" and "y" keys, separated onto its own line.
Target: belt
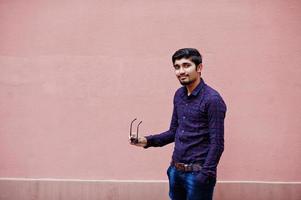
{"x": 186, "y": 167}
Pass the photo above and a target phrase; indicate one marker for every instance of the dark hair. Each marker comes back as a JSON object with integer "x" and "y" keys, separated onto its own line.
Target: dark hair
{"x": 188, "y": 53}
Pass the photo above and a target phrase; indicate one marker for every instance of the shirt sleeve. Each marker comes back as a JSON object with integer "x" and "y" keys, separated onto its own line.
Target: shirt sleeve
{"x": 167, "y": 136}
{"x": 216, "y": 116}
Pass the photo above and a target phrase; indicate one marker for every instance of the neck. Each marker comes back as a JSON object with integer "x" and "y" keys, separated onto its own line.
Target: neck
{"x": 192, "y": 86}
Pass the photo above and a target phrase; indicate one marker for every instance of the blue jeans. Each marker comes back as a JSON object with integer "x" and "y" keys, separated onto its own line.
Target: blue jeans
{"x": 190, "y": 185}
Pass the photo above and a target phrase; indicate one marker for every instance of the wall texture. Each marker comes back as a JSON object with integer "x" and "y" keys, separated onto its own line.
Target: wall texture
{"x": 29, "y": 189}
{"x": 73, "y": 74}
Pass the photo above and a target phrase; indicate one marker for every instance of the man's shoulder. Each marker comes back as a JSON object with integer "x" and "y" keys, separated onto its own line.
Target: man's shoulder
{"x": 180, "y": 91}
{"x": 211, "y": 91}
{"x": 212, "y": 94}
{"x": 214, "y": 99}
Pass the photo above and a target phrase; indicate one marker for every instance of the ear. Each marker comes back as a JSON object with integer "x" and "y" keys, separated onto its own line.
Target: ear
{"x": 199, "y": 67}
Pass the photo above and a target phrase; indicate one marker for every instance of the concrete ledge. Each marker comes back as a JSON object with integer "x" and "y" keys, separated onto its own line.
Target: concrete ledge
{"x": 59, "y": 189}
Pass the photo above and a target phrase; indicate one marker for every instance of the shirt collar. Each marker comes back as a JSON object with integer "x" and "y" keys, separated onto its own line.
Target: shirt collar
{"x": 196, "y": 90}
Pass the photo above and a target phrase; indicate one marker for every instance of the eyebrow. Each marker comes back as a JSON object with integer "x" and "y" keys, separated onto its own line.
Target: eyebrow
{"x": 184, "y": 63}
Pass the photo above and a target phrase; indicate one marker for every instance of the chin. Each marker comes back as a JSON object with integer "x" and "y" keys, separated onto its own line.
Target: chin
{"x": 184, "y": 83}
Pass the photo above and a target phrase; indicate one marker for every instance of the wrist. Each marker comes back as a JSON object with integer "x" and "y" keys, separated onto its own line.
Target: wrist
{"x": 143, "y": 141}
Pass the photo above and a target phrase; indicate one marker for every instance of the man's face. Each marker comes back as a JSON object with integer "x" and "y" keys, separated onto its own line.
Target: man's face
{"x": 186, "y": 71}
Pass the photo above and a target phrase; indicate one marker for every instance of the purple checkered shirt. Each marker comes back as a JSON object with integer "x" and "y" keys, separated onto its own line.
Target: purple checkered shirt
{"x": 197, "y": 128}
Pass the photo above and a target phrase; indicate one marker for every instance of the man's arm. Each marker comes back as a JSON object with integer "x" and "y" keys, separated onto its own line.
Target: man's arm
{"x": 163, "y": 138}
{"x": 216, "y": 115}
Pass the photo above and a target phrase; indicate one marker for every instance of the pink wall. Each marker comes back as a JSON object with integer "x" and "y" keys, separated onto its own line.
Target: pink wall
{"x": 73, "y": 74}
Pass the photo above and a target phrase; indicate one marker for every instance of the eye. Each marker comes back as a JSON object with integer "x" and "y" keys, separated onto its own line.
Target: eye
{"x": 186, "y": 65}
{"x": 176, "y": 67}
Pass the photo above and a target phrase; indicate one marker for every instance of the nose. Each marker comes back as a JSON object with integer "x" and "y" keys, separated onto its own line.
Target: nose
{"x": 181, "y": 70}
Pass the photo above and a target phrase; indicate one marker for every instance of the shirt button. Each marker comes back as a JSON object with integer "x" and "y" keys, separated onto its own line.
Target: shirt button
{"x": 182, "y": 131}
{"x": 186, "y": 104}
{"x": 184, "y": 117}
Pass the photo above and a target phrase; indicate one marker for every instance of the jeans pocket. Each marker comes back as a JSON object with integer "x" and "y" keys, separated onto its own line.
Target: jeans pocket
{"x": 202, "y": 178}
{"x": 206, "y": 180}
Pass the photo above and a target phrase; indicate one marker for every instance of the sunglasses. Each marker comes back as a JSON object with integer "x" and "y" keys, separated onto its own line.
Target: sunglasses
{"x": 134, "y": 138}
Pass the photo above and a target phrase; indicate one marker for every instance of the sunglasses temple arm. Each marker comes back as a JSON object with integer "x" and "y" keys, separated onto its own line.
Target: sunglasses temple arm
{"x": 138, "y": 128}
{"x": 132, "y": 126}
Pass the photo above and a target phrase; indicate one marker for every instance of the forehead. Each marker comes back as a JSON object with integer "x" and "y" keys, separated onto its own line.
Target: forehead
{"x": 182, "y": 61}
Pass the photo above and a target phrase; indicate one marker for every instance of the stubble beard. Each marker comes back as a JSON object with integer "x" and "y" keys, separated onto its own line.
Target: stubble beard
{"x": 186, "y": 82}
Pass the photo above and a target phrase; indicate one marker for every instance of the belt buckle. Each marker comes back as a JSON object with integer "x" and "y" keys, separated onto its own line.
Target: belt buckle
{"x": 183, "y": 167}
{"x": 186, "y": 167}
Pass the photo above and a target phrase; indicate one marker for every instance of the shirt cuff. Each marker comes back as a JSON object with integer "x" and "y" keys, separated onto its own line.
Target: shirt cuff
{"x": 148, "y": 141}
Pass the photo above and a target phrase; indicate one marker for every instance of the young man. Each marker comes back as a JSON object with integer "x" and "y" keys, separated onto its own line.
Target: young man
{"x": 197, "y": 128}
